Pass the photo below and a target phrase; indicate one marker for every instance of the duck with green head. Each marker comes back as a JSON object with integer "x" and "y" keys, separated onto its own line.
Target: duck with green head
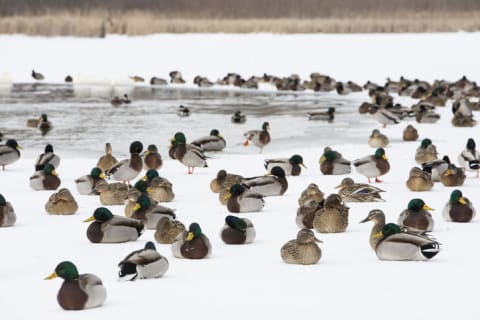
{"x": 416, "y": 217}
{"x": 145, "y": 263}
{"x": 237, "y": 230}
{"x": 192, "y": 244}
{"x": 7, "y": 214}
{"x": 86, "y": 184}
{"x": 128, "y": 169}
{"x": 302, "y": 250}
{"x": 458, "y": 208}
{"x": 47, "y": 179}
{"x": 241, "y": 199}
{"x": 273, "y": 184}
{"x": 161, "y": 189}
{"x": 292, "y": 166}
{"x": 426, "y": 152}
{"x": 9, "y": 153}
{"x": 189, "y": 155}
{"x": 150, "y": 213}
{"x": 260, "y": 138}
{"x": 333, "y": 163}
{"x": 373, "y": 166}
{"x": 212, "y": 142}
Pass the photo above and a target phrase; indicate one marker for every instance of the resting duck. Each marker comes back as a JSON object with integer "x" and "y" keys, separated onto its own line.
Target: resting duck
{"x": 189, "y": 157}
{"x": 176, "y": 77}
{"x": 306, "y": 213}
{"x": 358, "y": 192}
{"x": 7, "y": 214}
{"x": 47, "y": 179}
{"x": 9, "y": 153}
{"x": 410, "y": 133}
{"x": 437, "y": 167}
{"x": 117, "y": 101}
{"x": 426, "y": 152}
{"x": 137, "y": 78}
{"x": 155, "y": 81}
{"x": 149, "y": 213}
{"x": 469, "y": 158}
{"x": 167, "y": 230}
{"x": 161, "y": 189}
{"x": 416, "y": 217}
{"x": 87, "y": 184}
{"x": 237, "y": 231}
{"x": 213, "y": 142}
{"x": 332, "y": 163}
{"x": 183, "y": 111}
{"x": 192, "y": 244}
{"x": 44, "y": 124}
{"x": 291, "y": 166}
{"x": 145, "y": 263}
{"x": 112, "y": 194}
{"x": 426, "y": 115}
{"x": 373, "y": 166}
{"x": 453, "y": 176}
{"x": 419, "y": 180}
{"x": 260, "y": 138}
{"x": 78, "y": 291}
{"x": 328, "y": 115}
{"x": 224, "y": 181}
{"x": 151, "y": 158}
{"x": 333, "y": 217}
{"x": 61, "y": 203}
{"x": 238, "y": 117}
{"x": 458, "y": 208}
{"x": 241, "y": 199}
{"x": 383, "y": 116}
{"x": 139, "y": 188}
{"x": 109, "y": 228}
{"x": 302, "y": 250}
{"x": 377, "y": 139}
{"x": 273, "y": 184}
{"x": 37, "y": 75}
{"x": 47, "y": 157}
{"x": 107, "y": 160}
{"x": 127, "y": 169}
{"x": 312, "y": 192}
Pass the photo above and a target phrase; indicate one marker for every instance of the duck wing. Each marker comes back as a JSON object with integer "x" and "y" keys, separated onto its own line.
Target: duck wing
{"x": 116, "y": 166}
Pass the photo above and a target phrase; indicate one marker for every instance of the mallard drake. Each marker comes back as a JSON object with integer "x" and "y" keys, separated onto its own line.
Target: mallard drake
{"x": 303, "y": 249}
{"x": 260, "y": 138}
{"x": 238, "y": 117}
{"x": 377, "y": 139}
{"x": 237, "y": 230}
{"x": 149, "y": 213}
{"x": 426, "y": 152}
{"x": 426, "y": 115}
{"x": 416, "y": 217}
{"x": 44, "y": 124}
{"x": 155, "y": 81}
{"x": 189, "y": 146}
{"x": 47, "y": 157}
{"x": 151, "y": 158}
{"x": 47, "y": 179}
{"x": 419, "y": 180}
{"x": 37, "y": 75}
{"x": 312, "y": 192}
{"x": 358, "y": 192}
{"x": 332, "y": 163}
{"x": 78, "y": 291}
{"x": 224, "y": 181}
{"x": 213, "y": 142}
{"x": 183, "y": 111}
{"x": 9, "y": 152}
{"x": 383, "y": 116}
{"x": 373, "y": 166}
{"x": 328, "y": 115}
{"x": 306, "y": 213}
{"x": 458, "y": 208}
{"x": 192, "y": 244}
{"x": 128, "y": 169}
{"x": 87, "y": 184}
{"x": 107, "y": 160}
{"x": 61, "y": 203}
{"x": 378, "y": 218}
{"x": 160, "y": 188}
{"x": 139, "y": 188}
{"x": 469, "y": 158}
{"x": 273, "y": 184}
{"x": 291, "y": 166}
{"x": 189, "y": 157}
{"x": 145, "y": 263}
{"x": 167, "y": 230}
{"x": 410, "y": 133}
{"x": 241, "y": 199}
{"x": 453, "y": 176}
{"x": 333, "y": 217}
{"x": 7, "y": 214}
{"x": 437, "y": 167}
{"x": 112, "y": 194}
{"x": 109, "y": 228}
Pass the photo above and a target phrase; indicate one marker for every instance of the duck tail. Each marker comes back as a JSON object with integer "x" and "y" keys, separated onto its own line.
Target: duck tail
{"x": 430, "y": 250}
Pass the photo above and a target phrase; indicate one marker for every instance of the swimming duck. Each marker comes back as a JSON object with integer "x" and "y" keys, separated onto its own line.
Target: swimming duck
{"x": 116, "y": 101}
{"x": 358, "y": 192}
{"x": 61, "y": 203}
{"x": 312, "y": 192}
{"x": 167, "y": 230}
{"x": 145, "y": 263}
{"x": 149, "y": 213}
{"x": 458, "y": 208}
{"x": 112, "y": 194}
{"x": 410, "y": 133}
{"x": 469, "y": 158}
{"x": 241, "y": 199}
{"x": 109, "y": 228}
{"x": 151, "y": 158}
{"x": 213, "y": 142}
{"x": 260, "y": 138}
{"x": 291, "y": 166}
{"x": 107, "y": 160}
{"x": 328, "y": 115}
{"x": 238, "y": 117}
{"x": 46, "y": 179}
{"x": 189, "y": 157}
{"x": 161, "y": 189}
{"x": 383, "y": 116}
{"x": 237, "y": 231}
{"x": 7, "y": 214}
{"x": 377, "y": 139}
{"x": 302, "y": 250}
{"x": 333, "y": 217}
{"x": 47, "y": 157}
{"x": 44, "y": 124}
{"x": 183, "y": 111}
{"x": 192, "y": 244}
{"x": 155, "y": 81}
{"x": 426, "y": 152}
{"x": 453, "y": 176}
{"x": 37, "y": 75}
{"x": 273, "y": 184}
{"x": 419, "y": 180}
{"x": 78, "y": 291}
{"x": 416, "y": 217}
{"x": 332, "y": 163}
{"x": 86, "y": 185}
{"x": 378, "y": 218}
{"x": 9, "y": 152}
{"x": 373, "y": 166}
{"x": 437, "y": 167}
{"x": 224, "y": 181}
{"x": 127, "y": 169}
{"x": 306, "y": 213}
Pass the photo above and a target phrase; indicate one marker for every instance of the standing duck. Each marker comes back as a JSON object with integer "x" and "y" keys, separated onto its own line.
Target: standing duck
{"x": 377, "y": 139}
{"x": 161, "y": 189}
{"x": 453, "y": 176}
{"x": 458, "y": 208}
{"x": 416, "y": 217}
{"x": 87, "y": 184}
{"x": 37, "y": 75}
{"x": 167, "y": 230}
{"x": 145, "y": 263}
{"x": 291, "y": 166}
{"x": 241, "y": 199}
{"x": 312, "y": 192}
{"x": 9, "y": 153}
{"x": 426, "y": 152}
{"x": 150, "y": 213}
{"x": 224, "y": 181}
{"x": 47, "y": 179}
{"x": 151, "y": 158}
{"x": 192, "y": 244}
{"x": 47, "y": 157}
{"x": 358, "y": 192}
{"x": 213, "y": 142}
{"x": 189, "y": 157}
{"x": 7, "y": 214}
{"x": 237, "y": 231}
{"x": 78, "y": 291}
{"x": 410, "y": 133}
{"x": 273, "y": 184}
{"x": 238, "y": 117}
{"x": 373, "y": 166}
{"x": 302, "y": 250}
{"x": 260, "y": 138}
{"x": 469, "y": 158}
{"x": 437, "y": 167}
{"x": 419, "y": 180}
{"x": 61, "y": 203}
{"x": 107, "y": 160}
{"x": 332, "y": 162}
{"x": 333, "y": 217}
{"x": 128, "y": 169}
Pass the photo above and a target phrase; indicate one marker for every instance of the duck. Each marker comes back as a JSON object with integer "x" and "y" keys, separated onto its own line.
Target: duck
{"x": 416, "y": 217}
{"x": 107, "y": 161}
{"x": 213, "y": 142}
{"x": 87, "y": 184}
{"x": 224, "y": 180}
{"x": 291, "y": 166}
{"x": 377, "y": 139}
{"x": 458, "y": 208}
{"x": 44, "y": 124}
{"x": 358, "y": 192}
{"x": 7, "y": 213}
{"x": 176, "y": 77}
{"x": 373, "y": 166}
{"x": 333, "y": 217}
{"x": 137, "y": 78}
{"x": 189, "y": 157}
{"x": 68, "y": 79}
{"x": 426, "y": 152}
{"x": 328, "y": 115}
{"x": 202, "y": 82}
{"x": 426, "y": 115}
{"x": 128, "y": 169}
{"x": 383, "y": 116}
{"x": 112, "y": 194}
{"x": 116, "y": 101}
{"x": 37, "y": 75}
{"x": 151, "y": 158}
{"x": 149, "y": 213}
{"x": 183, "y": 111}
{"x": 161, "y": 189}
{"x": 461, "y": 121}
{"x": 419, "y": 180}
{"x": 238, "y": 117}
{"x": 139, "y": 188}
{"x": 273, "y": 184}
{"x": 240, "y": 199}
{"x": 167, "y": 230}
{"x": 145, "y": 263}
{"x": 61, "y": 203}
{"x": 155, "y": 81}
{"x": 192, "y": 244}
{"x": 469, "y": 158}
{"x": 306, "y": 213}
{"x": 109, "y": 228}
{"x": 410, "y": 133}
{"x": 312, "y": 192}
{"x": 378, "y": 218}
{"x": 78, "y": 291}
{"x": 260, "y": 138}
{"x": 47, "y": 157}
{"x": 9, "y": 152}
{"x": 453, "y": 176}
{"x": 46, "y": 179}
{"x": 237, "y": 230}
{"x": 302, "y": 250}
{"x": 333, "y": 163}
{"x": 437, "y": 167}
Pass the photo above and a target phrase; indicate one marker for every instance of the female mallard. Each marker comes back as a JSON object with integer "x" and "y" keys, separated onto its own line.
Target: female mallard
{"x": 332, "y": 162}
{"x": 149, "y": 213}
{"x": 78, "y": 291}
{"x": 377, "y": 139}
{"x": 273, "y": 184}
{"x": 44, "y": 124}
{"x": 109, "y": 228}
{"x": 87, "y": 184}
{"x": 224, "y": 181}
{"x": 161, "y": 189}
{"x": 237, "y": 231}
{"x": 62, "y": 203}
{"x": 112, "y": 194}
{"x": 426, "y": 152}
{"x": 306, "y": 213}
{"x": 145, "y": 263}
{"x": 358, "y": 192}
{"x": 128, "y": 169}
{"x": 47, "y": 157}
{"x": 469, "y": 158}
{"x": 378, "y": 218}
{"x": 303, "y": 249}
{"x": 167, "y": 230}
{"x": 152, "y": 159}
{"x": 373, "y": 166}
{"x": 416, "y": 217}
{"x": 383, "y": 116}
{"x": 213, "y": 142}
{"x": 260, "y": 138}
{"x": 312, "y": 192}
{"x": 333, "y": 217}
{"x": 410, "y": 133}
{"x": 328, "y": 115}
{"x": 241, "y": 199}
{"x": 192, "y": 244}
{"x": 291, "y": 166}
{"x": 453, "y": 176}
{"x": 437, "y": 167}
{"x": 189, "y": 157}
{"x": 238, "y": 117}
{"x": 458, "y": 208}
{"x": 47, "y": 179}
{"x": 7, "y": 214}
{"x": 107, "y": 160}
{"x": 9, "y": 153}
{"x": 419, "y": 180}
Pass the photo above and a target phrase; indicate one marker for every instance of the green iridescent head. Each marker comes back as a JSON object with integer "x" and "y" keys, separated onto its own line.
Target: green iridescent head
{"x": 425, "y": 143}
{"x": 179, "y": 138}
{"x": 418, "y": 205}
{"x": 3, "y": 202}
{"x": 96, "y": 172}
{"x": 151, "y": 174}
{"x": 390, "y": 229}
{"x": 236, "y": 223}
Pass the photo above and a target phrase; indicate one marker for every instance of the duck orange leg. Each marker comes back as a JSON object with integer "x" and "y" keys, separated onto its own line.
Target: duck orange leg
{"x": 378, "y": 180}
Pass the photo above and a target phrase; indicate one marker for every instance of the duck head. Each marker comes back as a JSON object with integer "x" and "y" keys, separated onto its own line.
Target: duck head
{"x": 65, "y": 270}
{"x": 100, "y": 214}
{"x": 418, "y": 205}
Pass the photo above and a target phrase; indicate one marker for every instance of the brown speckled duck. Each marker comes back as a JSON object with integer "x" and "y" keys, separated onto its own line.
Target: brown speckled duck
{"x": 453, "y": 176}
{"x": 306, "y": 213}
{"x": 302, "y": 250}
{"x": 358, "y": 192}
{"x": 416, "y": 217}
{"x": 312, "y": 192}
{"x": 410, "y": 133}
{"x": 333, "y": 217}
{"x": 112, "y": 194}
{"x": 151, "y": 158}
{"x": 167, "y": 230}
{"x": 458, "y": 208}
{"x": 377, "y": 139}
{"x": 419, "y": 180}
{"x": 161, "y": 189}
{"x": 107, "y": 160}
{"x": 426, "y": 152}
{"x": 237, "y": 231}
{"x": 192, "y": 244}
{"x": 61, "y": 203}
{"x": 224, "y": 181}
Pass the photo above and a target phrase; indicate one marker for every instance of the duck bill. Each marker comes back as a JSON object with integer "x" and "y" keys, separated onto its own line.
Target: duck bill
{"x": 227, "y": 196}
{"x": 149, "y": 190}
{"x": 322, "y": 159}
{"x": 364, "y": 220}
{"x": 137, "y": 207}
{"x": 378, "y": 235}
{"x": 19, "y": 147}
{"x": 462, "y": 200}
{"x": 384, "y": 157}
{"x": 54, "y": 173}
{"x": 92, "y": 218}
{"x": 145, "y": 178}
{"x": 303, "y": 165}
{"x": 101, "y": 176}
{"x": 425, "y": 207}
{"x": 338, "y": 187}
{"x": 190, "y": 236}
{"x": 448, "y": 172}
{"x": 52, "y": 276}
{"x": 318, "y": 240}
